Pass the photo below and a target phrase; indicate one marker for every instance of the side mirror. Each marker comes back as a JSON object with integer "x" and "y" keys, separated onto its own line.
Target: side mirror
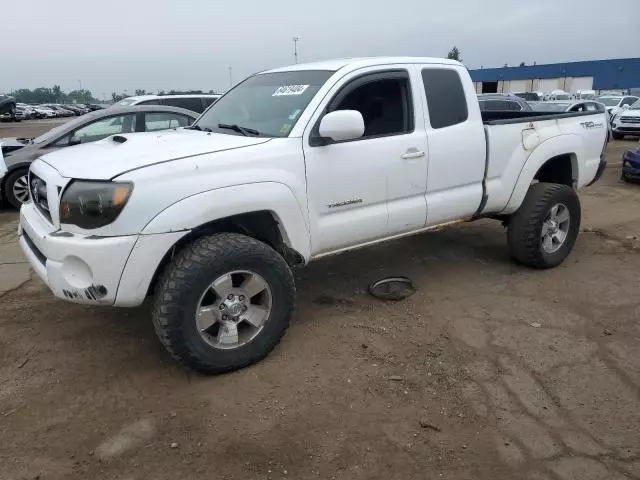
{"x": 74, "y": 141}
{"x": 624, "y": 107}
{"x": 342, "y": 125}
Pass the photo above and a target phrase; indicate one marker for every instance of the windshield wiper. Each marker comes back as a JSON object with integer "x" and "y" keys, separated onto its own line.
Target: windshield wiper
{"x": 237, "y": 128}
{"x": 199, "y": 128}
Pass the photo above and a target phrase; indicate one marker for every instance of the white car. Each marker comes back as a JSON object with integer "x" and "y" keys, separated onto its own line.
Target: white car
{"x": 290, "y": 166}
{"x": 585, "y": 95}
{"x": 559, "y": 95}
{"x": 615, "y": 103}
{"x": 626, "y": 122}
{"x": 195, "y": 102}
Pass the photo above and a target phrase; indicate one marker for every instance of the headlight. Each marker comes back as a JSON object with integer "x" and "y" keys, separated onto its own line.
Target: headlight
{"x": 93, "y": 204}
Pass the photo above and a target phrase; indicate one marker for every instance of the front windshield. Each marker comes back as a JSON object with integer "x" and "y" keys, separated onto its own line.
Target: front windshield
{"x": 562, "y": 97}
{"x": 268, "y": 103}
{"x": 549, "y": 107}
{"x": 610, "y": 101}
{"x": 587, "y": 96}
{"x": 635, "y": 106}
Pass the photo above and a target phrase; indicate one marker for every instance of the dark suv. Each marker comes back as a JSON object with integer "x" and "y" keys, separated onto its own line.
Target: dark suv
{"x": 7, "y": 107}
{"x": 500, "y": 102}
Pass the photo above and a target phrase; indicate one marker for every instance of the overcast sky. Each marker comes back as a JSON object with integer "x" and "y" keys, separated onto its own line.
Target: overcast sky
{"x": 189, "y": 44}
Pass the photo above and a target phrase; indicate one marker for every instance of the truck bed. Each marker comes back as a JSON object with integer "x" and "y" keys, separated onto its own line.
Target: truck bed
{"x": 514, "y": 137}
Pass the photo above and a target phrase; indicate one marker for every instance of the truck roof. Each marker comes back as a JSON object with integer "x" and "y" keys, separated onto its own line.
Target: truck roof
{"x": 354, "y": 63}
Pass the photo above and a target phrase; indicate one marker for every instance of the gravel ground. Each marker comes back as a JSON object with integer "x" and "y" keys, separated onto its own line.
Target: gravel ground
{"x": 489, "y": 371}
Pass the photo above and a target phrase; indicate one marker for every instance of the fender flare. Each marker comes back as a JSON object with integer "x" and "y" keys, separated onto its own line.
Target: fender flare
{"x": 206, "y": 207}
{"x": 569, "y": 144}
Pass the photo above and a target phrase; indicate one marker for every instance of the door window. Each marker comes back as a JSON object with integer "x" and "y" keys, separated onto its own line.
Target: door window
{"x": 101, "y": 129}
{"x": 385, "y": 104}
{"x": 445, "y": 97}
{"x": 164, "y": 120}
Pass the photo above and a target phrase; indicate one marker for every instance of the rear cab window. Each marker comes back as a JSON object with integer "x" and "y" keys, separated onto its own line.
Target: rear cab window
{"x": 446, "y": 99}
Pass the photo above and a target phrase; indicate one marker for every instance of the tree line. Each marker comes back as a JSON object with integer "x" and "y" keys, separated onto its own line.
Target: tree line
{"x": 56, "y": 95}
{"x": 52, "y": 95}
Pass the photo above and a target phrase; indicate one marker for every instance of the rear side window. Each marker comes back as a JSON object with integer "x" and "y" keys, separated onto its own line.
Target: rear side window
{"x": 208, "y": 101}
{"x": 445, "y": 97}
{"x": 164, "y": 120}
{"x": 190, "y": 103}
{"x": 515, "y": 106}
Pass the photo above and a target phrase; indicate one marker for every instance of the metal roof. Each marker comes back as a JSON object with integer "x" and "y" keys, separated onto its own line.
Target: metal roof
{"x": 354, "y": 63}
{"x": 615, "y": 73}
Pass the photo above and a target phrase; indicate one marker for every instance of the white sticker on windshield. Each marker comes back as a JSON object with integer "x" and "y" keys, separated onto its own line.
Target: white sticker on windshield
{"x": 290, "y": 90}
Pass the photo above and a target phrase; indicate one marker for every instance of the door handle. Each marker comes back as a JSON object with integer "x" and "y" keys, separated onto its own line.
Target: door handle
{"x": 412, "y": 154}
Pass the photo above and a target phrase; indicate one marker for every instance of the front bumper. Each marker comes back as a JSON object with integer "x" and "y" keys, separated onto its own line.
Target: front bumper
{"x": 89, "y": 270}
{"x": 626, "y": 128}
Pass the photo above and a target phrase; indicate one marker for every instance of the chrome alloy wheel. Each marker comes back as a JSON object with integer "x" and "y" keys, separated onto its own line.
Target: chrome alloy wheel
{"x": 21, "y": 189}
{"x": 555, "y": 228}
{"x": 233, "y": 309}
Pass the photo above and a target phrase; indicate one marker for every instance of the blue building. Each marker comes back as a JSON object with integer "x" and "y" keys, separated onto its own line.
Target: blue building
{"x": 617, "y": 74}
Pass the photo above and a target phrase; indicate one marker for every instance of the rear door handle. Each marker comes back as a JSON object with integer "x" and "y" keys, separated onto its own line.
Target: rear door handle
{"x": 412, "y": 154}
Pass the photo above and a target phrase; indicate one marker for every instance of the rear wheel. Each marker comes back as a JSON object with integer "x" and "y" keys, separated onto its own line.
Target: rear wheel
{"x": 17, "y": 187}
{"x": 543, "y": 231}
{"x": 223, "y": 303}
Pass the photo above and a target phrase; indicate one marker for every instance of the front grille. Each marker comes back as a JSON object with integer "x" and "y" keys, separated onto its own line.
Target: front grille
{"x": 630, "y": 119}
{"x": 38, "y": 192}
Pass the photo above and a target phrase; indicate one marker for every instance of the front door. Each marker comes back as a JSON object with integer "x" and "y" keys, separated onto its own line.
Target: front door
{"x": 365, "y": 189}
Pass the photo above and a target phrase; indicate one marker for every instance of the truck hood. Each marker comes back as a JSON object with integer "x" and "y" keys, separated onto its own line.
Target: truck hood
{"x": 115, "y": 155}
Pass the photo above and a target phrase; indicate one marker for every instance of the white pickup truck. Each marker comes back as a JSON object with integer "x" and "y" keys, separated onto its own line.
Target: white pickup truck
{"x": 289, "y": 166}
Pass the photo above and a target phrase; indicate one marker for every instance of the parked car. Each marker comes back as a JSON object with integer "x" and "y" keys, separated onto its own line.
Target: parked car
{"x": 28, "y": 111}
{"x": 87, "y": 128}
{"x": 7, "y": 104}
{"x": 586, "y": 94}
{"x": 94, "y": 106}
{"x": 46, "y": 112}
{"x": 61, "y": 111}
{"x": 75, "y": 109}
{"x": 194, "y": 102}
{"x": 615, "y": 103}
{"x": 21, "y": 114}
{"x": 529, "y": 96}
{"x": 497, "y": 101}
{"x": 290, "y": 166}
{"x": 559, "y": 95}
{"x": 631, "y": 165}
{"x": 568, "y": 106}
{"x": 626, "y": 122}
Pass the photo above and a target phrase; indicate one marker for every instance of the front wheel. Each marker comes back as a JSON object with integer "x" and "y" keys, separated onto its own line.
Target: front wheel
{"x": 543, "y": 231}
{"x": 17, "y": 187}
{"x": 223, "y": 303}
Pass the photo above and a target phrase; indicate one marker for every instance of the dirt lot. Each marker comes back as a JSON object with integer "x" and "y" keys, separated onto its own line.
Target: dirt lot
{"x": 490, "y": 371}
